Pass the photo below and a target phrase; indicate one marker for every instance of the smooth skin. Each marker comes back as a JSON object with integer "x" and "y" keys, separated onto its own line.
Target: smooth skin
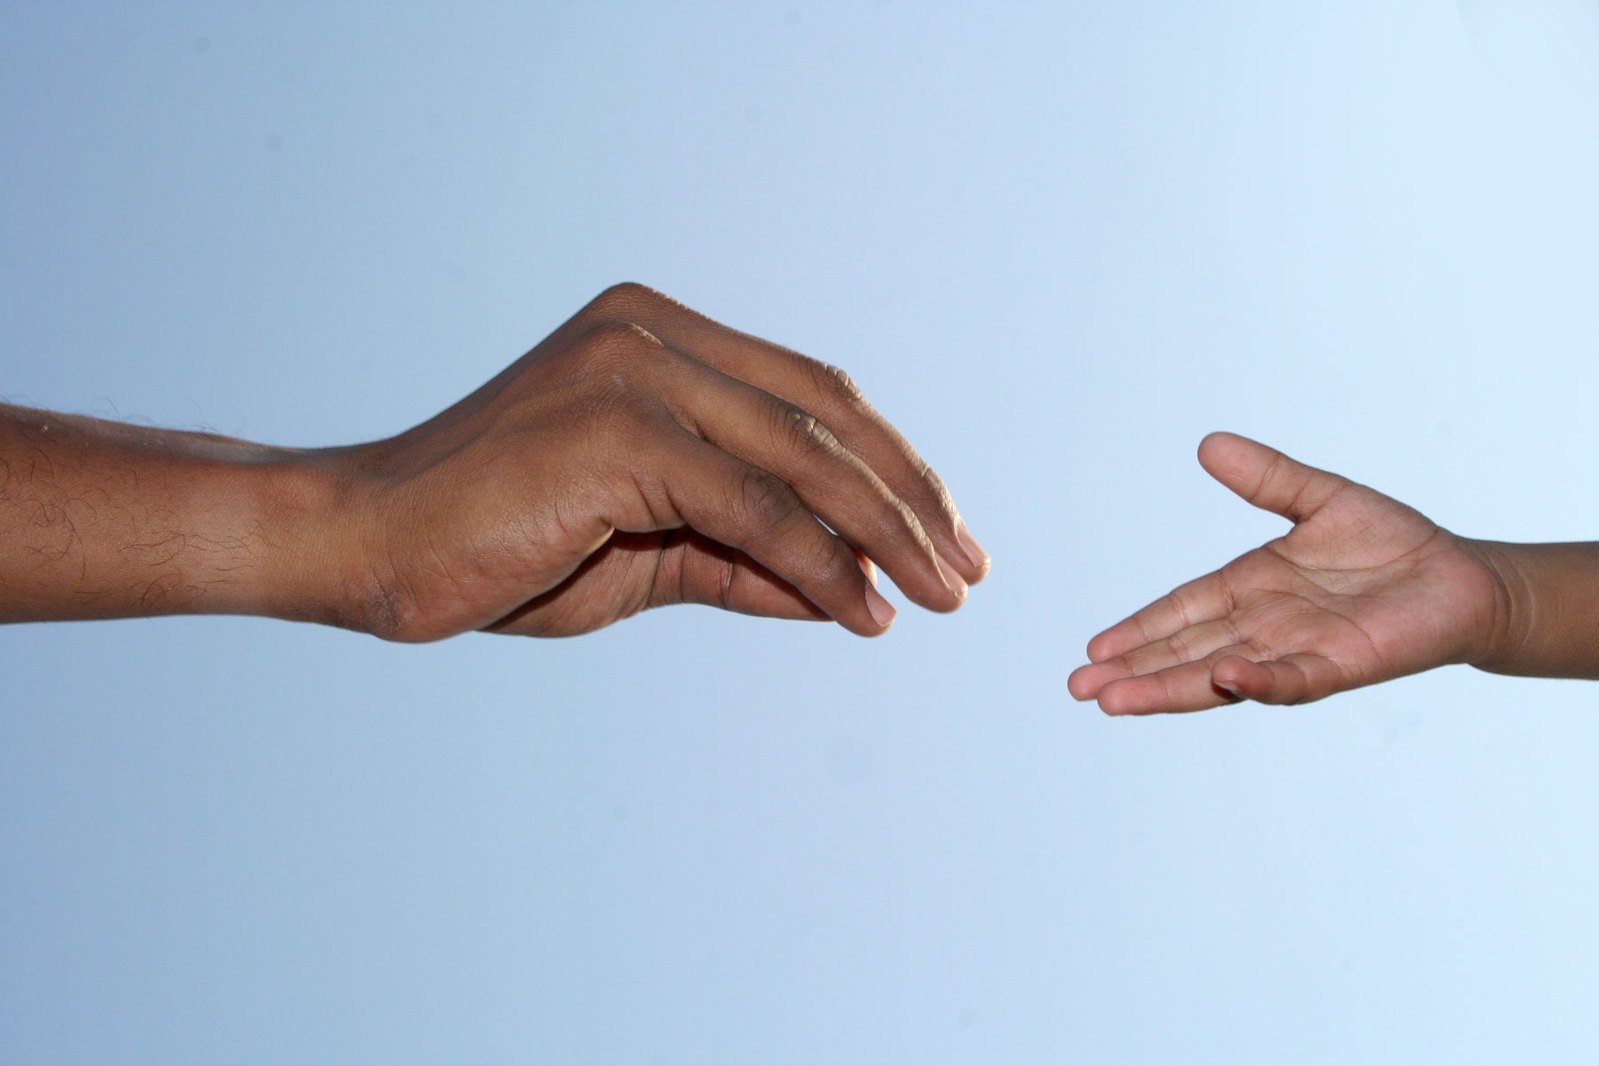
{"x": 1362, "y": 589}
{"x": 641, "y": 455}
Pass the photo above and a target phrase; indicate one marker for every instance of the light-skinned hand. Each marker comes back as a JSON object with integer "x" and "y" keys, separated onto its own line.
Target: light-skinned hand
{"x": 1362, "y": 589}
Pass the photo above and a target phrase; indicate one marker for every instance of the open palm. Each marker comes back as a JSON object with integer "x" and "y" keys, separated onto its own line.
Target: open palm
{"x": 1361, "y": 590}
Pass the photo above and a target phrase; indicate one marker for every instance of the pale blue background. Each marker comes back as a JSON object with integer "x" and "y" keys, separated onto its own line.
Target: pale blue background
{"x": 1056, "y": 244}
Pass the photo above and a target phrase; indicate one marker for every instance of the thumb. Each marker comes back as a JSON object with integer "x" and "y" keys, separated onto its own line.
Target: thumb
{"x": 709, "y": 573}
{"x": 1266, "y": 477}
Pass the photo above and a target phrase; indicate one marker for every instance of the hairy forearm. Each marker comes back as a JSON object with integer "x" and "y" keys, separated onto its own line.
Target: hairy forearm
{"x": 106, "y": 520}
{"x": 1548, "y": 625}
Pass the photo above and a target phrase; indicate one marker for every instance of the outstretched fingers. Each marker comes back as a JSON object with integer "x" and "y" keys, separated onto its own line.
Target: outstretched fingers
{"x": 835, "y": 483}
{"x": 1200, "y": 685}
{"x": 819, "y": 389}
{"x": 1193, "y": 644}
{"x": 1204, "y": 599}
{"x": 1181, "y": 688}
{"x": 1185, "y": 651}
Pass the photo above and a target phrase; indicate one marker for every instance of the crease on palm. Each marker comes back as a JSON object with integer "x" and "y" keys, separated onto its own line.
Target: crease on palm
{"x": 1335, "y": 593}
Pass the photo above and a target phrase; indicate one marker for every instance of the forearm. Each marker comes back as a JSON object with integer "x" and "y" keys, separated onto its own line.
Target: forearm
{"x": 105, "y": 520}
{"x": 1548, "y": 623}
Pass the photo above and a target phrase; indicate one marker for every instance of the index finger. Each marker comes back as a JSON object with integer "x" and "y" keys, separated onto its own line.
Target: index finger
{"x": 824, "y": 391}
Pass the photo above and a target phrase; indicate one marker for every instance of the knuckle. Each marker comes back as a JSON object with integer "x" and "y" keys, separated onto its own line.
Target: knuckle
{"x": 837, "y": 565}
{"x": 802, "y": 430}
{"x": 835, "y": 383}
{"x": 617, "y": 337}
{"x": 618, "y": 355}
{"x": 897, "y": 520}
{"x": 765, "y": 499}
{"x": 623, "y": 300}
{"x": 936, "y": 488}
{"x": 1181, "y": 607}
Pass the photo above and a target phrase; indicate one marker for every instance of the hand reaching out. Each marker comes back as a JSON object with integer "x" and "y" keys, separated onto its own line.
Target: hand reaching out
{"x": 1361, "y": 590}
{"x": 641, "y": 455}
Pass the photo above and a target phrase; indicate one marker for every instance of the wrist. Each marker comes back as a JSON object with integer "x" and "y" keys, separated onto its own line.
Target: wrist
{"x": 292, "y": 509}
{"x": 1509, "y": 617}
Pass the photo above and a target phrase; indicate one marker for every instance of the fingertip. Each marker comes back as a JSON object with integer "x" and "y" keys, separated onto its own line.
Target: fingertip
{"x": 1222, "y": 452}
{"x": 1241, "y": 679}
{"x": 1225, "y": 673}
{"x": 1100, "y": 647}
{"x": 1265, "y": 477}
{"x": 870, "y": 631}
{"x": 1217, "y": 438}
{"x": 954, "y": 583}
{"x": 1080, "y": 684}
{"x": 881, "y": 610}
{"x": 939, "y": 587}
{"x": 871, "y": 616}
{"x": 1212, "y": 443}
{"x": 977, "y": 557}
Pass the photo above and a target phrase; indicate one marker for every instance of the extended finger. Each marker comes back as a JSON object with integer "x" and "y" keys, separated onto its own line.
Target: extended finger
{"x": 823, "y": 390}
{"x": 834, "y": 482}
{"x": 1203, "y": 599}
{"x": 1181, "y": 688}
{"x": 1185, "y": 646}
{"x": 758, "y": 514}
{"x": 1266, "y": 477}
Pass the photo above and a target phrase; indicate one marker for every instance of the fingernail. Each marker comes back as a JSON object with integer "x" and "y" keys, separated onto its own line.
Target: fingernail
{"x": 951, "y": 576}
{"x": 868, "y": 568}
{"x": 882, "y": 611}
{"x": 974, "y": 551}
{"x": 1227, "y": 687}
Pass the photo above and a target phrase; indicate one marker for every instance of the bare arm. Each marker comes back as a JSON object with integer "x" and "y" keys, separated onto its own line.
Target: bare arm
{"x": 1361, "y": 590}
{"x": 1550, "y": 625}
{"x": 104, "y": 520}
{"x": 641, "y": 455}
